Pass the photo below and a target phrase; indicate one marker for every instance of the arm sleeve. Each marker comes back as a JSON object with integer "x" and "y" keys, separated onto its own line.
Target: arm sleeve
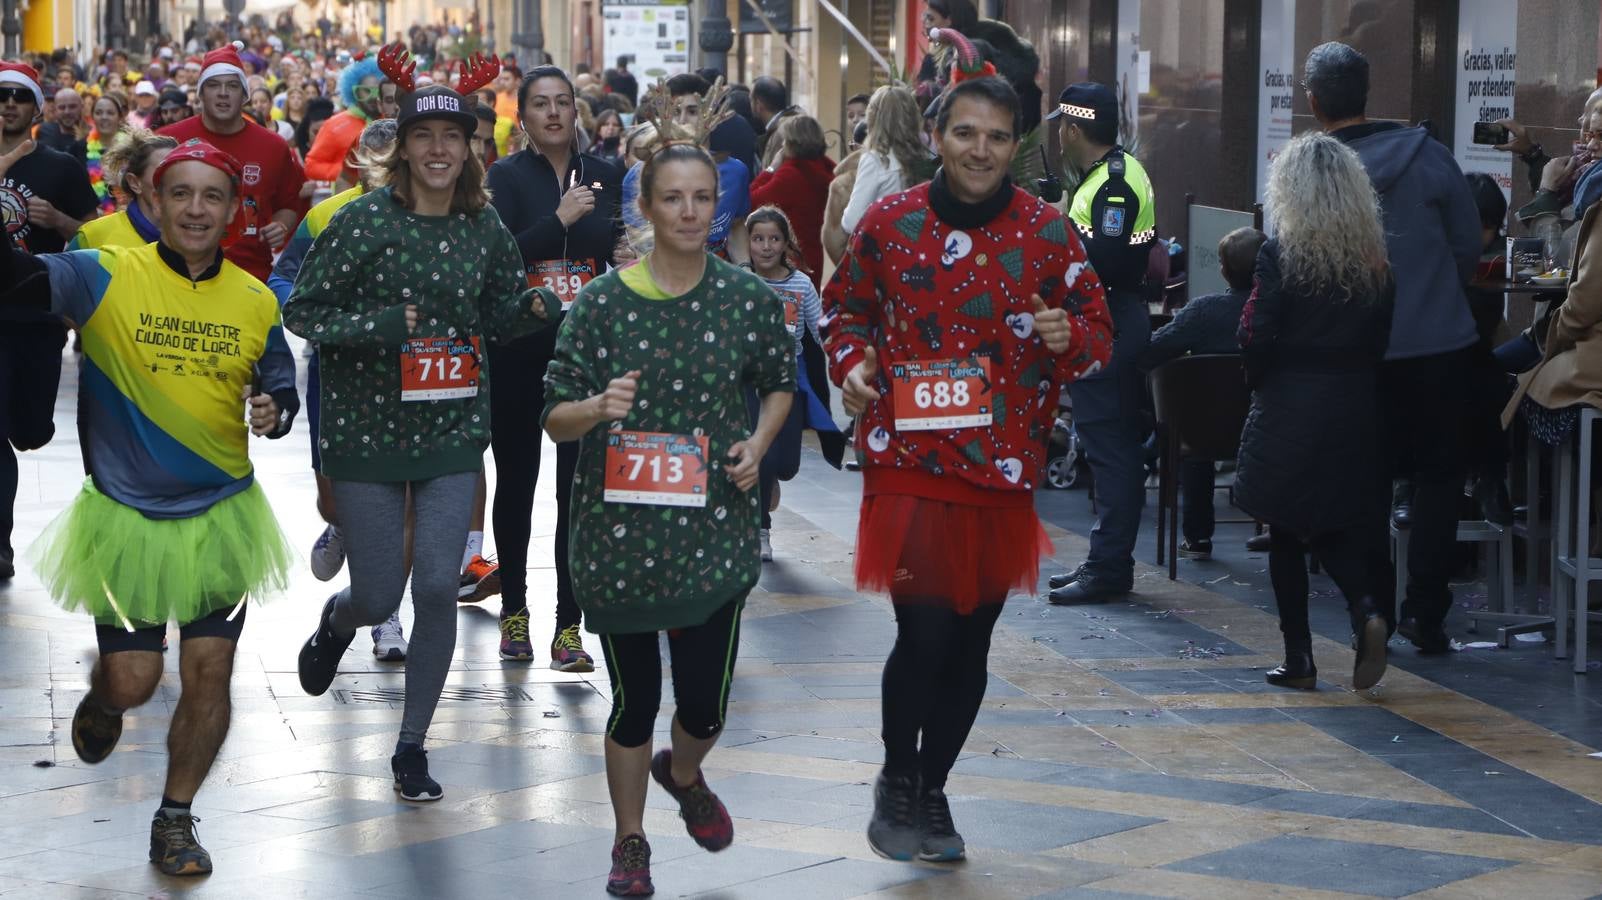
{"x": 851, "y": 308}
{"x": 1582, "y": 308}
{"x": 326, "y": 159}
{"x": 1260, "y": 318}
{"x": 771, "y": 366}
{"x": 506, "y": 300}
{"x": 811, "y": 308}
{"x": 1170, "y": 341}
{"x": 1461, "y": 220}
{"x": 287, "y": 269}
{"x": 79, "y": 202}
{"x": 76, "y": 280}
{"x": 315, "y": 309}
{"x": 541, "y": 238}
{"x": 1536, "y": 165}
{"x": 573, "y": 374}
{"x": 1085, "y": 299}
{"x": 275, "y": 375}
{"x": 291, "y": 178}
{"x": 768, "y": 187}
{"x": 870, "y": 186}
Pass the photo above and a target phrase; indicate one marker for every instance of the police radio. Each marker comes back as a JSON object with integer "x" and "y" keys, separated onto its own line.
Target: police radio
{"x": 1049, "y": 188}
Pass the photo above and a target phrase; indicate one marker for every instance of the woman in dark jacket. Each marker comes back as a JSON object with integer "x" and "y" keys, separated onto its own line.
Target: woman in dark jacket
{"x": 1313, "y": 335}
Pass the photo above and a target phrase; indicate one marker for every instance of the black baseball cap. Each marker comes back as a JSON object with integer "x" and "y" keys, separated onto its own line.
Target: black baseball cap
{"x": 1086, "y": 101}
{"x": 436, "y": 101}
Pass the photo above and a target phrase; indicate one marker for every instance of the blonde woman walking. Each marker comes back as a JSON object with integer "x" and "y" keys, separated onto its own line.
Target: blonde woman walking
{"x": 1314, "y": 334}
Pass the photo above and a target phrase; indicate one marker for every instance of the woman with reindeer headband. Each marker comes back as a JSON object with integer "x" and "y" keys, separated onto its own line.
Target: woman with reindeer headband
{"x": 400, "y": 292}
{"x": 651, "y": 369}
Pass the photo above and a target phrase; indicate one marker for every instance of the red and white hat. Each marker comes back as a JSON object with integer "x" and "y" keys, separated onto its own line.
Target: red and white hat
{"x": 224, "y": 61}
{"x": 197, "y": 150}
{"x": 22, "y": 75}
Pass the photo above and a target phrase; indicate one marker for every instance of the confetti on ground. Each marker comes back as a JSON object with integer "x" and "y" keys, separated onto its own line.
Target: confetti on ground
{"x": 1217, "y": 580}
{"x": 1474, "y": 645}
{"x": 1397, "y": 739}
{"x": 1530, "y": 638}
{"x": 1192, "y": 651}
{"x": 1594, "y": 755}
{"x": 552, "y": 714}
{"x": 1043, "y": 639}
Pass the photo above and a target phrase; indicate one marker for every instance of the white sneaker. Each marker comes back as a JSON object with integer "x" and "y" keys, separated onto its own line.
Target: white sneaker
{"x": 767, "y": 545}
{"x": 328, "y": 554}
{"x": 389, "y": 643}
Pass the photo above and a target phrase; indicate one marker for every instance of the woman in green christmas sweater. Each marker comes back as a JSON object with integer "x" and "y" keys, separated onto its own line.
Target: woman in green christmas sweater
{"x": 399, "y": 292}
{"x": 651, "y": 369}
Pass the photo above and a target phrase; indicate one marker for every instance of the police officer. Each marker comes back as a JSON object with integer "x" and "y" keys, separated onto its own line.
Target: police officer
{"x": 1115, "y": 214}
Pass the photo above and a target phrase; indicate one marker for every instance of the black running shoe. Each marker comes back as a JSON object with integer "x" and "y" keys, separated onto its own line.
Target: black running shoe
{"x": 319, "y": 658}
{"x": 893, "y": 830}
{"x": 941, "y": 842}
{"x": 412, "y": 780}
{"x": 95, "y": 730}
{"x": 174, "y": 848}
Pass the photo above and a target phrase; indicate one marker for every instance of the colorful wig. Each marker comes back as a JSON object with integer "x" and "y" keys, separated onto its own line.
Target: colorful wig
{"x": 352, "y": 75}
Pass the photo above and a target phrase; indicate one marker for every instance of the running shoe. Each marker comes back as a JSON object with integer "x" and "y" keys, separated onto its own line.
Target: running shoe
{"x": 95, "y": 730}
{"x": 704, "y": 816}
{"x": 631, "y": 868}
{"x": 389, "y": 641}
{"x": 480, "y": 581}
{"x": 328, "y": 554}
{"x": 893, "y": 830}
{"x": 567, "y": 652}
{"x": 941, "y": 842}
{"x": 175, "y": 849}
{"x": 319, "y": 657}
{"x": 767, "y": 544}
{"x": 514, "y": 637}
{"x": 1189, "y": 549}
{"x": 412, "y": 780}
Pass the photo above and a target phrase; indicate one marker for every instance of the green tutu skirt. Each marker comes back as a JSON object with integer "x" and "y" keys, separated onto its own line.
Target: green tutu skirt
{"x": 108, "y": 559}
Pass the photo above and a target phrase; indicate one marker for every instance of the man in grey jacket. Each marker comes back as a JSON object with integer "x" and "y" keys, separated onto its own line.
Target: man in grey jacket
{"x": 1432, "y": 233}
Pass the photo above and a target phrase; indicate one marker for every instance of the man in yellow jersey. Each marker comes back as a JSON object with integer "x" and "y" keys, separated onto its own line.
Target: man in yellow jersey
{"x": 1115, "y": 215}
{"x": 172, "y": 524}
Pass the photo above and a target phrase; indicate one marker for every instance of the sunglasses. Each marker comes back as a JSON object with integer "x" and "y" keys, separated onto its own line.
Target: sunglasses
{"x": 366, "y": 91}
{"x": 15, "y": 95}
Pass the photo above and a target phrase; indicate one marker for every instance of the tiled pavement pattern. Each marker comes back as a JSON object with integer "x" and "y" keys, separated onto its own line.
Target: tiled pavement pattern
{"x": 1131, "y": 750}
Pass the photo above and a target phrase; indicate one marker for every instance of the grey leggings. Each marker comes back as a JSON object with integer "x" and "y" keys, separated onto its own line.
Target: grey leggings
{"x": 372, "y": 519}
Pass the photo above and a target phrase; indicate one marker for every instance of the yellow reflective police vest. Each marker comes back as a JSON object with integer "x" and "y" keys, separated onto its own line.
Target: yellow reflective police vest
{"x": 1114, "y": 212}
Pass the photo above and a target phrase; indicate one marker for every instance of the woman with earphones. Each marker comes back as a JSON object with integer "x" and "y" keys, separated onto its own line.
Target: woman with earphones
{"x": 562, "y": 207}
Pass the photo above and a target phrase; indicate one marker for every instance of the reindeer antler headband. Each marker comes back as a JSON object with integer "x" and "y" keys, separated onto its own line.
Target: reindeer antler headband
{"x": 395, "y": 62}
{"x": 657, "y": 109}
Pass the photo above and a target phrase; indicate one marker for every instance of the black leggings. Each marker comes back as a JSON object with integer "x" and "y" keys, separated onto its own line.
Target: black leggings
{"x": 517, "y": 399}
{"x": 703, "y": 668}
{"x": 934, "y": 682}
{"x": 1348, "y": 556}
{"x": 783, "y": 459}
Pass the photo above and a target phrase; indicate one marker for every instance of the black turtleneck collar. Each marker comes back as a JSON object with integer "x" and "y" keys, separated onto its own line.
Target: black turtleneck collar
{"x": 958, "y": 214}
{"x": 175, "y": 261}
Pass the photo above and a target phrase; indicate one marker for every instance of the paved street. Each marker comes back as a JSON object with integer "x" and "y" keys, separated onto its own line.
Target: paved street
{"x": 1125, "y": 750}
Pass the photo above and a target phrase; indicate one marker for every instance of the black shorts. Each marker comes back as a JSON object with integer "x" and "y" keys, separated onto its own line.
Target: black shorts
{"x": 116, "y": 638}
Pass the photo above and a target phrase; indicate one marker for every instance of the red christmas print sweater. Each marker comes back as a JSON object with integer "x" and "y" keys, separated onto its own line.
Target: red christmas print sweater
{"x": 969, "y": 391}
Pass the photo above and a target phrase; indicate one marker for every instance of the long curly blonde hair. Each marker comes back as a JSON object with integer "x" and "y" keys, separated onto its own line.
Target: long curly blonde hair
{"x": 1326, "y": 216}
{"x": 895, "y": 129}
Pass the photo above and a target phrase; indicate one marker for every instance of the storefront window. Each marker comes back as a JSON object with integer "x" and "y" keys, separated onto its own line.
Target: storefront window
{"x": 1178, "y": 136}
{"x": 1383, "y": 31}
{"x": 1557, "y": 70}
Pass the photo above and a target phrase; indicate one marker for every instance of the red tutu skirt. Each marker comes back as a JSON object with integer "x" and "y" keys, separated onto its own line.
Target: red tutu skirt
{"x": 950, "y": 554}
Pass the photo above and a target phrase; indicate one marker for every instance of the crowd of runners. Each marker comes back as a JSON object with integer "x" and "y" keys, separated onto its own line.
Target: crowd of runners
{"x": 451, "y": 307}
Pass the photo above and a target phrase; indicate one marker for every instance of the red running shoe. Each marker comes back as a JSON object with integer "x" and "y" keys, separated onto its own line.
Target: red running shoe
{"x": 631, "y": 868}
{"x": 704, "y": 816}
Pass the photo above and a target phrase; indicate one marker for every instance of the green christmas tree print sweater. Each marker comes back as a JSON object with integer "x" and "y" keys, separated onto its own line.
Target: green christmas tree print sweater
{"x": 640, "y": 568}
{"x": 465, "y": 275}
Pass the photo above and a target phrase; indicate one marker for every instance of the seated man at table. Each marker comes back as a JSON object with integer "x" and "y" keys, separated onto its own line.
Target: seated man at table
{"x": 1485, "y": 444}
{"x": 1206, "y": 325}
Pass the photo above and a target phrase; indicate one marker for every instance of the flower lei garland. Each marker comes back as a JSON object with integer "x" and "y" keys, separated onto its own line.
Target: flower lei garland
{"x": 105, "y": 200}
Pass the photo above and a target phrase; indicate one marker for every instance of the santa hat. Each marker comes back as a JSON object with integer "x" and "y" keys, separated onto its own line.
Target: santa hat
{"x": 22, "y": 75}
{"x": 224, "y": 61}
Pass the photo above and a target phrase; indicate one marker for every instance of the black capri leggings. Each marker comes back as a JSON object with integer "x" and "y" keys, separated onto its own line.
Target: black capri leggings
{"x": 703, "y": 668}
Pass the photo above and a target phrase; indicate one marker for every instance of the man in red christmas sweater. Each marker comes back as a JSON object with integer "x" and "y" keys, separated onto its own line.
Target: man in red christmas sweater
{"x": 270, "y": 205}
{"x": 950, "y": 325}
